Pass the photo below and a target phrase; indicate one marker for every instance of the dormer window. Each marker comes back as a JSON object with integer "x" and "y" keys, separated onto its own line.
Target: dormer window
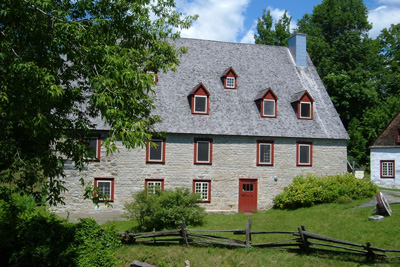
{"x": 199, "y": 100}
{"x": 267, "y": 103}
{"x": 229, "y": 79}
{"x": 303, "y": 104}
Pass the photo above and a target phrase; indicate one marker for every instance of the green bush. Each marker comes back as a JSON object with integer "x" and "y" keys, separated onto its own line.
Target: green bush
{"x": 164, "y": 209}
{"x": 33, "y": 236}
{"x": 94, "y": 245}
{"x": 311, "y": 190}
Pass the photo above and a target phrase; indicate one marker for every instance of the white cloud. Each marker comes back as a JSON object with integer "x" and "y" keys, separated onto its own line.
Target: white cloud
{"x": 248, "y": 38}
{"x": 277, "y": 13}
{"x": 384, "y": 16}
{"x": 218, "y": 20}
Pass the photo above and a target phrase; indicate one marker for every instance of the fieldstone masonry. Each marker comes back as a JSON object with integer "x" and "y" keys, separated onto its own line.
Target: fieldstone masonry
{"x": 234, "y": 157}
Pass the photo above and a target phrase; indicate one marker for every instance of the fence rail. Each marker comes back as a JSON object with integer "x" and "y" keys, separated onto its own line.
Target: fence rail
{"x": 302, "y": 240}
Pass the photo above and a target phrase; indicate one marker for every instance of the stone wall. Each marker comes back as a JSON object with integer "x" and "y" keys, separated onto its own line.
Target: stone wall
{"x": 234, "y": 157}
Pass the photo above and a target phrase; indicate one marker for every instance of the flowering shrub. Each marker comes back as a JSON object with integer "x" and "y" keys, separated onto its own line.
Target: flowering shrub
{"x": 310, "y": 190}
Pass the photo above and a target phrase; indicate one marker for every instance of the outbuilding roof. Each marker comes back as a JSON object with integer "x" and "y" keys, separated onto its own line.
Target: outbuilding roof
{"x": 234, "y": 112}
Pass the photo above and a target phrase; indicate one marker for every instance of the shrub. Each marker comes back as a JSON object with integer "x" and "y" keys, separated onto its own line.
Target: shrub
{"x": 33, "y": 236}
{"x": 311, "y": 190}
{"x": 164, "y": 209}
{"x": 95, "y": 245}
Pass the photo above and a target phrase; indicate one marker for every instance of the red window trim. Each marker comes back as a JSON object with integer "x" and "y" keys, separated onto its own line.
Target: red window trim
{"x": 209, "y": 189}
{"x": 154, "y": 180}
{"x": 298, "y": 144}
{"x": 398, "y": 136}
{"x": 111, "y": 179}
{"x": 148, "y": 147}
{"x": 210, "y": 150}
{"x": 231, "y": 74}
{"x": 200, "y": 90}
{"x": 381, "y": 169}
{"x": 98, "y": 147}
{"x": 259, "y": 142}
{"x": 268, "y": 95}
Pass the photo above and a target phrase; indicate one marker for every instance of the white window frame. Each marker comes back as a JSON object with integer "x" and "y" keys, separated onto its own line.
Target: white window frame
{"x": 270, "y": 153}
{"x": 151, "y": 186}
{"x": 199, "y": 188}
{"x": 268, "y": 100}
{"x": 230, "y": 82}
{"x": 310, "y": 107}
{"x": 386, "y": 170}
{"x": 197, "y": 151}
{"x": 299, "y": 145}
{"x": 205, "y": 104}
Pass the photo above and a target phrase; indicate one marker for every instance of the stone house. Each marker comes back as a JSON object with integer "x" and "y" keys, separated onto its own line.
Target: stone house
{"x": 241, "y": 121}
{"x": 384, "y": 153}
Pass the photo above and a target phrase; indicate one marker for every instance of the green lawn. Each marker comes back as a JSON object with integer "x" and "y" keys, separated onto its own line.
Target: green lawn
{"x": 340, "y": 221}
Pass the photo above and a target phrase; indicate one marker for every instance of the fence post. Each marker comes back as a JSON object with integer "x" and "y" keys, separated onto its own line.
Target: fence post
{"x": 184, "y": 232}
{"x": 304, "y": 244}
{"x": 248, "y": 233}
{"x": 370, "y": 253}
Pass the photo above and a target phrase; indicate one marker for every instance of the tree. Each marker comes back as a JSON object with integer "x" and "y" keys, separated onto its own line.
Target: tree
{"x": 345, "y": 57}
{"x": 267, "y": 35}
{"x": 389, "y": 41}
{"x": 350, "y": 65}
{"x": 65, "y": 62}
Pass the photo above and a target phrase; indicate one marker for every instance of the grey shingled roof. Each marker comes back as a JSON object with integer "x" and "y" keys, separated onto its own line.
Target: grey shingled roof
{"x": 234, "y": 112}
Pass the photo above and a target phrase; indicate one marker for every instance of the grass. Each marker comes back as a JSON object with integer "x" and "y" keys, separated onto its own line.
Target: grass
{"x": 340, "y": 221}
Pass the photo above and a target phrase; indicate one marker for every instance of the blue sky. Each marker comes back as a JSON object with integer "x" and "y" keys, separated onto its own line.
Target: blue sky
{"x": 235, "y": 20}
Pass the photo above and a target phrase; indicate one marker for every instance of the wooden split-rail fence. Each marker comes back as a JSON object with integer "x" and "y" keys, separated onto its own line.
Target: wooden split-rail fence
{"x": 301, "y": 239}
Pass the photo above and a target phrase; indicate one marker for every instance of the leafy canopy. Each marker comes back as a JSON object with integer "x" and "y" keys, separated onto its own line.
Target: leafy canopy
{"x": 269, "y": 36}
{"x": 65, "y": 62}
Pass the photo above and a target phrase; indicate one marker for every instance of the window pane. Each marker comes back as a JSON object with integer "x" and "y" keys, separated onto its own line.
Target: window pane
{"x": 156, "y": 152}
{"x": 92, "y": 143}
{"x": 305, "y": 110}
{"x": 269, "y": 108}
{"x": 104, "y": 188}
{"x": 304, "y": 154}
{"x": 200, "y": 104}
{"x": 247, "y": 187}
{"x": 202, "y": 189}
{"x": 153, "y": 187}
{"x": 387, "y": 169}
{"x": 230, "y": 82}
{"x": 265, "y": 153}
{"x": 203, "y": 151}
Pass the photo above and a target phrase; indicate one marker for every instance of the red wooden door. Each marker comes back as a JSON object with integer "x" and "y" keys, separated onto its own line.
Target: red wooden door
{"x": 247, "y": 195}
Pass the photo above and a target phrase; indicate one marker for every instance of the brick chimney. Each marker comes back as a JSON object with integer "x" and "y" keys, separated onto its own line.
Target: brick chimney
{"x": 298, "y": 49}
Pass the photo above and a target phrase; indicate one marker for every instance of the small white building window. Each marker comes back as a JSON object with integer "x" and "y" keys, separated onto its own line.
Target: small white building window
{"x": 387, "y": 169}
